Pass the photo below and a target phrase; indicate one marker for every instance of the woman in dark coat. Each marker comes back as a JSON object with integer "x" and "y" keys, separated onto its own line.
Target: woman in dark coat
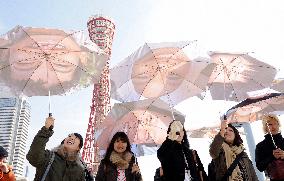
{"x": 224, "y": 149}
{"x": 119, "y": 161}
{"x": 178, "y": 161}
{"x": 266, "y": 152}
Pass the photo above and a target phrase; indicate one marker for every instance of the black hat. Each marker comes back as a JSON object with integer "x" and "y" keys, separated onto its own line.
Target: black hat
{"x": 3, "y": 152}
{"x": 79, "y": 137}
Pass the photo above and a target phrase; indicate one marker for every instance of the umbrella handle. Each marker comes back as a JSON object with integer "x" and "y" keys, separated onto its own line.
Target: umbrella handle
{"x": 223, "y": 117}
{"x": 269, "y": 132}
{"x": 51, "y": 127}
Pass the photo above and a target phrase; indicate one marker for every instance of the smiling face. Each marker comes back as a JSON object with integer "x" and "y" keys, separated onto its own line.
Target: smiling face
{"x": 229, "y": 135}
{"x": 272, "y": 126}
{"x": 38, "y": 53}
{"x": 159, "y": 72}
{"x": 120, "y": 146}
{"x": 71, "y": 143}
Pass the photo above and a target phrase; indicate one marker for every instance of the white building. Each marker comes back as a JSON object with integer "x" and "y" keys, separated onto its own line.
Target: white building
{"x": 14, "y": 123}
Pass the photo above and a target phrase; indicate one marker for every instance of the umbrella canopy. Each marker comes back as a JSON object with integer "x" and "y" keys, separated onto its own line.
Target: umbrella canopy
{"x": 35, "y": 61}
{"x": 252, "y": 109}
{"x": 278, "y": 85}
{"x": 204, "y": 132}
{"x": 171, "y": 71}
{"x": 145, "y": 122}
{"x": 236, "y": 74}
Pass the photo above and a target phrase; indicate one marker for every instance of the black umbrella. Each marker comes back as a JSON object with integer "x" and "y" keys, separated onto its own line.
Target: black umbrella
{"x": 252, "y": 109}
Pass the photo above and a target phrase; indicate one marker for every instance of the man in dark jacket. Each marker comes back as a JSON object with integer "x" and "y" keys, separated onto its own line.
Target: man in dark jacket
{"x": 66, "y": 164}
{"x": 271, "y": 148}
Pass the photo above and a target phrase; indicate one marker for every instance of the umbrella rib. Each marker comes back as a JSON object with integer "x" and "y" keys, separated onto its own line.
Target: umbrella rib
{"x": 224, "y": 66}
{"x": 10, "y": 64}
{"x": 150, "y": 137}
{"x": 232, "y": 70}
{"x": 131, "y": 111}
{"x": 249, "y": 101}
{"x": 60, "y": 83}
{"x": 153, "y": 76}
{"x": 180, "y": 49}
{"x": 31, "y": 76}
{"x": 33, "y": 40}
{"x": 67, "y": 36}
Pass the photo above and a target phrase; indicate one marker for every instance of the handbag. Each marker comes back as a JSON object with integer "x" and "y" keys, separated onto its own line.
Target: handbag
{"x": 275, "y": 169}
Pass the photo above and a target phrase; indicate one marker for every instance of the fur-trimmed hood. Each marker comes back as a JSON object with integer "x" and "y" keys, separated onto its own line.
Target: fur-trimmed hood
{"x": 69, "y": 157}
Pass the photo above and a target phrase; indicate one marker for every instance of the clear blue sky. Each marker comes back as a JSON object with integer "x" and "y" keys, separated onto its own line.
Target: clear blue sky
{"x": 244, "y": 25}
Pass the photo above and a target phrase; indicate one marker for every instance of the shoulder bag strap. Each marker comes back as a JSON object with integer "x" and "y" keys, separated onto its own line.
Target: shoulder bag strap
{"x": 232, "y": 166}
{"x": 48, "y": 166}
{"x": 196, "y": 164}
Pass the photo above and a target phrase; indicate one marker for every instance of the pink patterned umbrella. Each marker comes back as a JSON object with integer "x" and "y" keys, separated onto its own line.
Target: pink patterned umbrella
{"x": 172, "y": 71}
{"x": 34, "y": 61}
{"x": 252, "y": 109}
{"x": 145, "y": 122}
{"x": 236, "y": 74}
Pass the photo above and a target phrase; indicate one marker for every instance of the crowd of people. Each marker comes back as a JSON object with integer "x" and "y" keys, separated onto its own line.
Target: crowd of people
{"x": 179, "y": 162}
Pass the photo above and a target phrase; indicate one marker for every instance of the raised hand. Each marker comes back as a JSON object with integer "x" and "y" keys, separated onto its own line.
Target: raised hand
{"x": 49, "y": 122}
{"x": 224, "y": 125}
{"x": 135, "y": 168}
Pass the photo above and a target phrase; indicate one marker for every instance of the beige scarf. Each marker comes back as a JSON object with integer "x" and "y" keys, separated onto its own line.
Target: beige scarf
{"x": 230, "y": 153}
{"x": 121, "y": 161}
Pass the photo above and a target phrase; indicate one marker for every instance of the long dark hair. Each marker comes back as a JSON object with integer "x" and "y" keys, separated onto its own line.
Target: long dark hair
{"x": 184, "y": 141}
{"x": 117, "y": 136}
{"x": 238, "y": 140}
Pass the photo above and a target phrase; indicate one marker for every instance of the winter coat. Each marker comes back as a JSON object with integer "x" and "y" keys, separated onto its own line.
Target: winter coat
{"x": 171, "y": 155}
{"x": 264, "y": 151}
{"x": 219, "y": 159}
{"x": 108, "y": 171}
{"x": 10, "y": 176}
{"x": 61, "y": 169}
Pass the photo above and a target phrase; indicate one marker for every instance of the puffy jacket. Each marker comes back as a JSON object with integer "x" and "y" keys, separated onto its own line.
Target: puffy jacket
{"x": 61, "y": 169}
{"x": 10, "y": 176}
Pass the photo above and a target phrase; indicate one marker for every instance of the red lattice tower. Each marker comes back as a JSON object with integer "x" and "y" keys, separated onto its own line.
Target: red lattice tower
{"x": 101, "y": 31}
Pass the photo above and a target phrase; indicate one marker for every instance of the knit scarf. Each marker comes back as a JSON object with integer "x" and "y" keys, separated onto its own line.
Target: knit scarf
{"x": 121, "y": 160}
{"x": 230, "y": 153}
